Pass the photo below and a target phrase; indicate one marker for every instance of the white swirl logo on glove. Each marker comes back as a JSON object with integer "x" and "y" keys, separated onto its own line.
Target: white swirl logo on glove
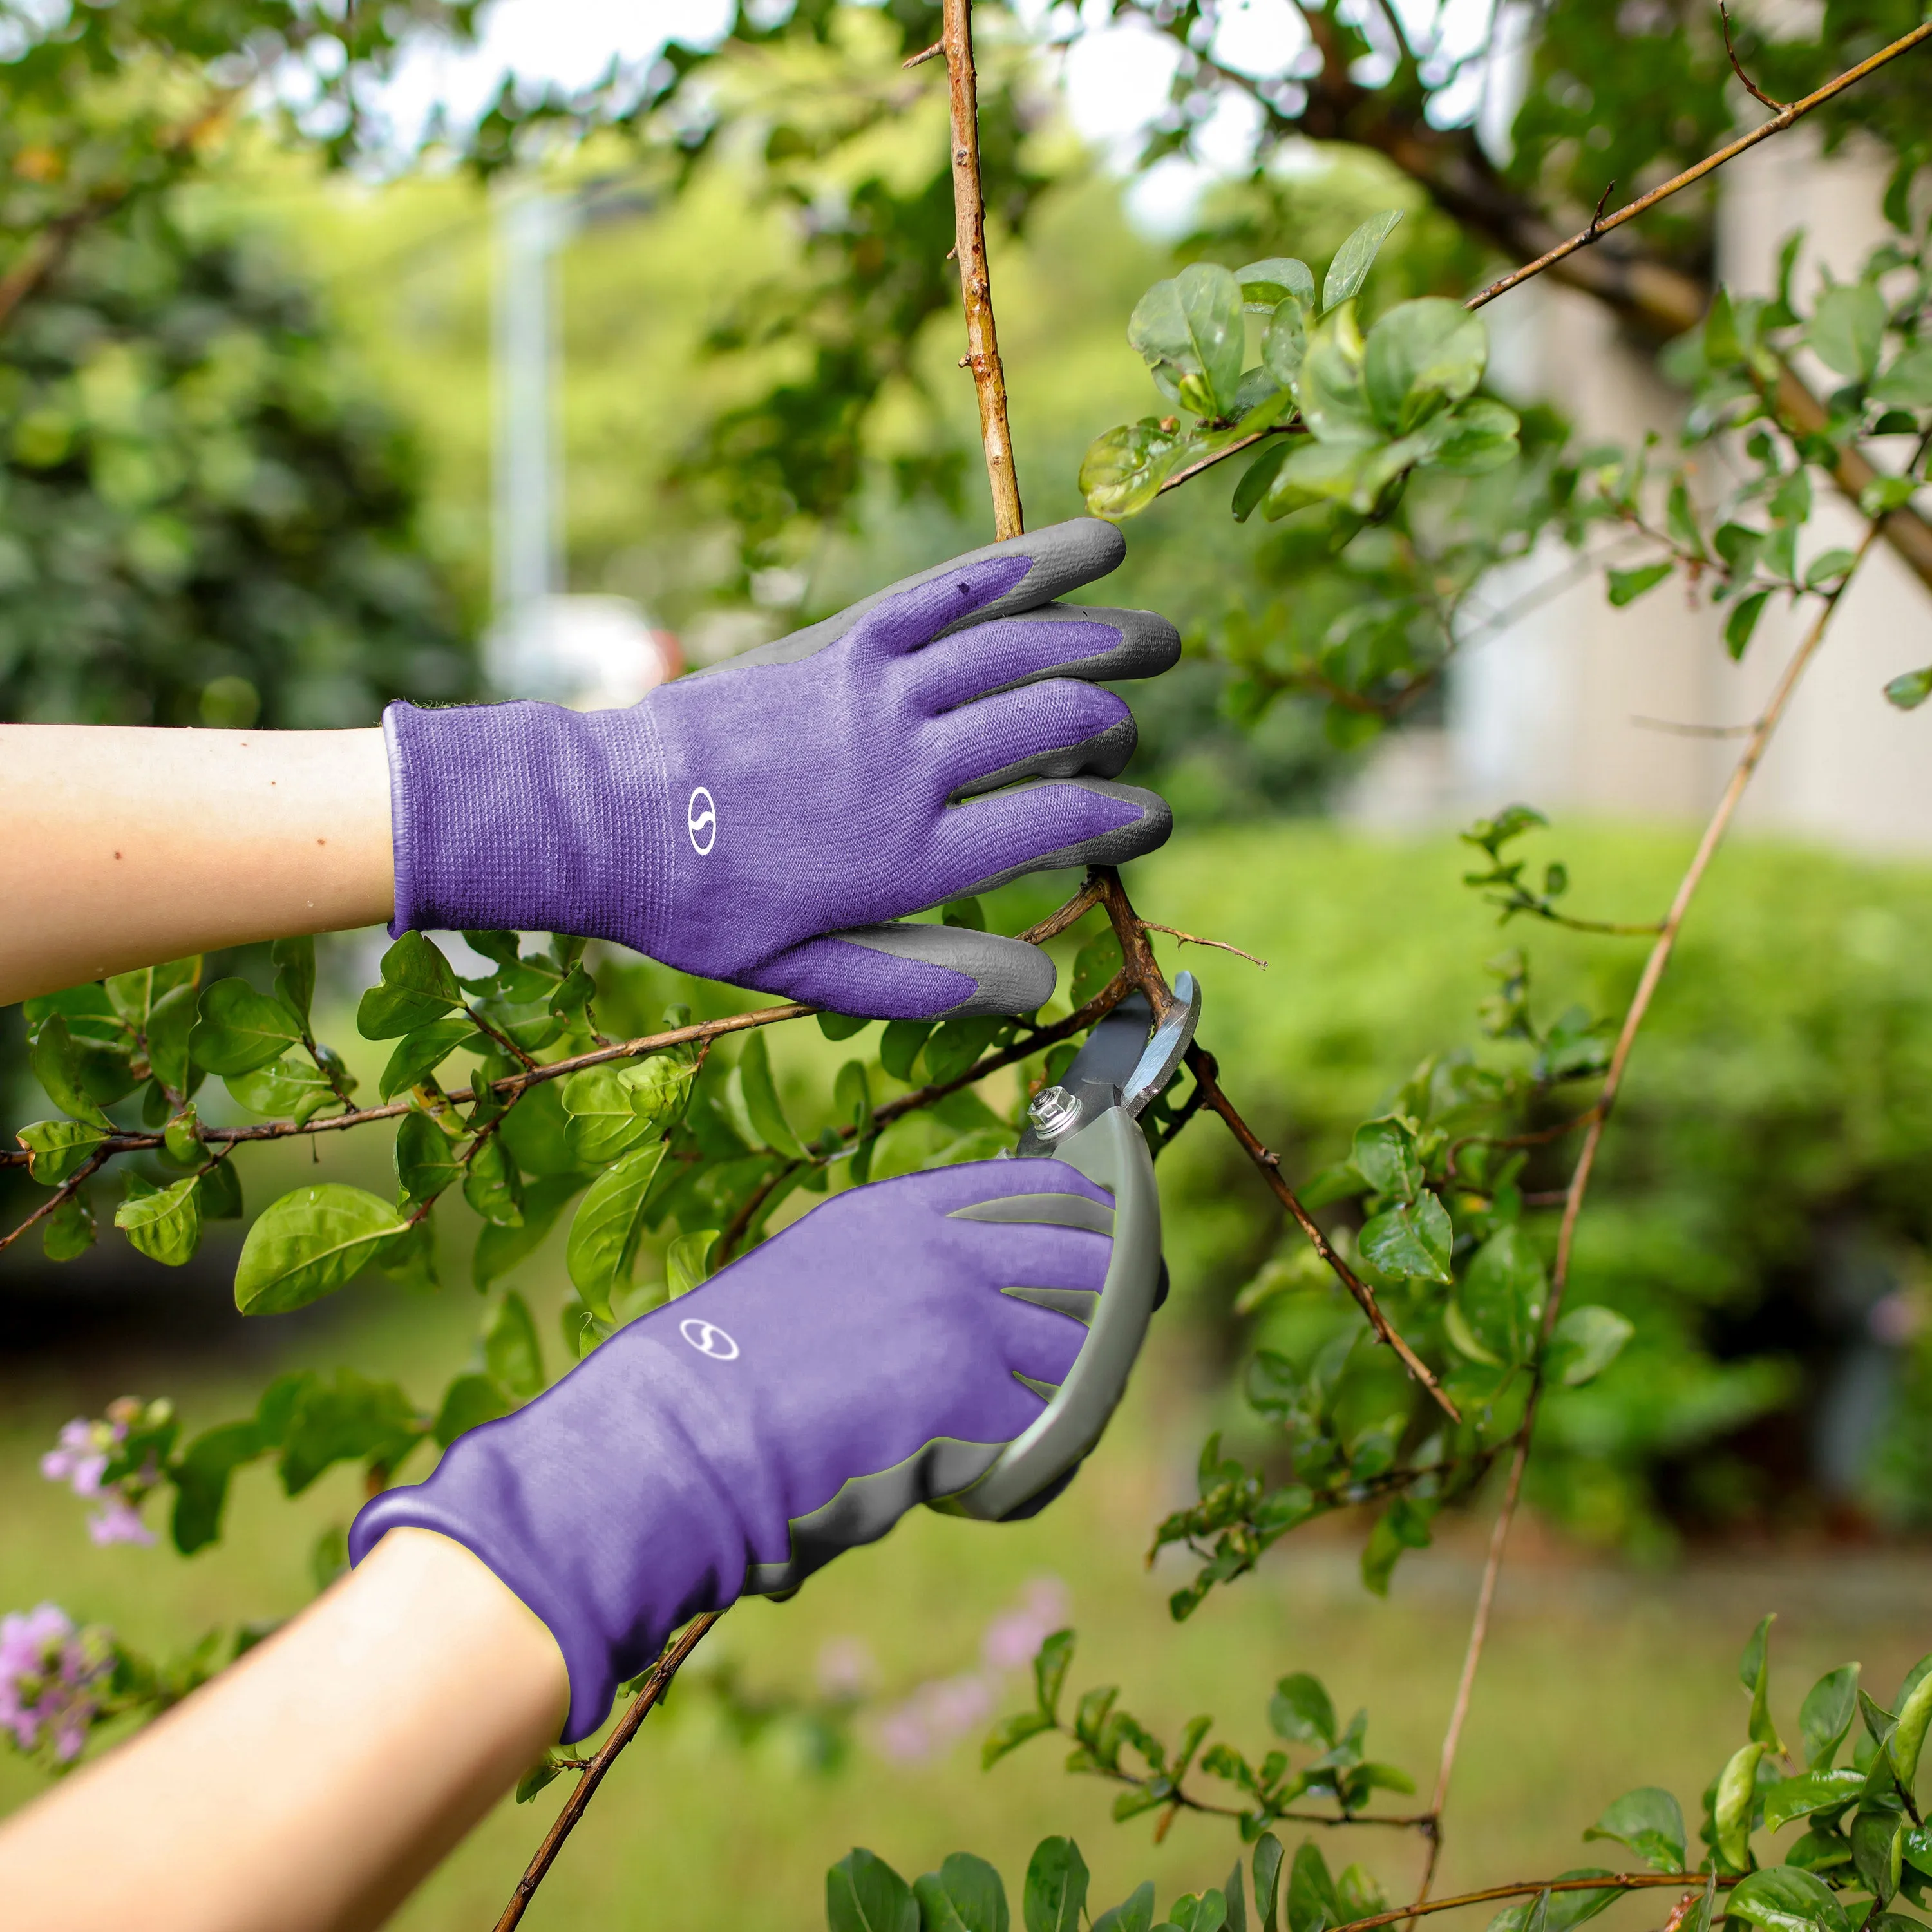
{"x": 700, "y": 820}
{"x": 708, "y": 1339}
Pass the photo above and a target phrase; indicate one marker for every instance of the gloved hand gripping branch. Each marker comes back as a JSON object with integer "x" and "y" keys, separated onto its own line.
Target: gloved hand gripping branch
{"x": 765, "y": 821}
{"x": 883, "y": 1351}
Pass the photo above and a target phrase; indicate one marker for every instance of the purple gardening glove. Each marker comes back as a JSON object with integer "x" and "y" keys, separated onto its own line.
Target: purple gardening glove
{"x": 763, "y": 821}
{"x": 879, "y": 1353}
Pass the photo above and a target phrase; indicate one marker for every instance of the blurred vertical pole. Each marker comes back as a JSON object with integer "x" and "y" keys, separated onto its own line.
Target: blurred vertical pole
{"x": 527, "y": 546}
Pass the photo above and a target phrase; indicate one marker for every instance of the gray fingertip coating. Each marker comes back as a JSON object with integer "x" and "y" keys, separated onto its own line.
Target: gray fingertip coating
{"x": 1010, "y": 975}
{"x": 1146, "y": 833}
{"x": 1064, "y": 556}
{"x": 1148, "y": 645}
{"x": 1103, "y": 755}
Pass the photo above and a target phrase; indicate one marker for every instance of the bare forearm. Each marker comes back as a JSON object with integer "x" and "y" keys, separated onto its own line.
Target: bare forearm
{"x": 126, "y": 846}
{"x": 310, "y": 1787}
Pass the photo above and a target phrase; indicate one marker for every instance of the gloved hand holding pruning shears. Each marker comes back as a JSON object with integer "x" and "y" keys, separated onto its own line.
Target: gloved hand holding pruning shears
{"x": 958, "y": 1337}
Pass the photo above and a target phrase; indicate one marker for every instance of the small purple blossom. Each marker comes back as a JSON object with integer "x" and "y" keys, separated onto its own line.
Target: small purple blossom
{"x": 938, "y": 1713}
{"x": 846, "y": 1670}
{"x": 98, "y": 1460}
{"x": 51, "y": 1678}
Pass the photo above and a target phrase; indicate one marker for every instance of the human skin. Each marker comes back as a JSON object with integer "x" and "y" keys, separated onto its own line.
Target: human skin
{"x": 129, "y": 845}
{"x": 309, "y": 1787}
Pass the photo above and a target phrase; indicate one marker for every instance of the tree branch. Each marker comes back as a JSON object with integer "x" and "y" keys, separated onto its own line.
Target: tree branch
{"x": 651, "y": 1693}
{"x": 975, "y": 287}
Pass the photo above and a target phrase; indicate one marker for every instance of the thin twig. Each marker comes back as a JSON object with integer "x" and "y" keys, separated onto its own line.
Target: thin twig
{"x": 651, "y": 1693}
{"x": 1785, "y": 118}
{"x": 1203, "y": 1067}
{"x": 969, "y": 215}
{"x": 1574, "y": 1197}
{"x": 1526, "y": 1888}
{"x": 1689, "y": 730}
{"x": 1751, "y": 87}
{"x": 1194, "y": 939}
{"x": 67, "y": 1190}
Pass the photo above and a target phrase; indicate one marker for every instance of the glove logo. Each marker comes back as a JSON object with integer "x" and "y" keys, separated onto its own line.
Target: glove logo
{"x": 708, "y": 1339}
{"x": 700, "y": 820}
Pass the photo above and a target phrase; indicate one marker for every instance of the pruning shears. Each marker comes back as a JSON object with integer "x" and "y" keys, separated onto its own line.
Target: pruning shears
{"x": 1091, "y": 1121}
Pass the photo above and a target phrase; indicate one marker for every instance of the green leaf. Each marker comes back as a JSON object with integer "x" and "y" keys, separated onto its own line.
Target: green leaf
{"x": 427, "y": 1160}
{"x": 1267, "y": 1874}
{"x": 841, "y": 1026}
{"x": 1721, "y": 344}
{"x": 1847, "y": 330}
{"x": 1207, "y": 1913}
{"x": 1502, "y": 1295}
{"x": 1301, "y": 1712}
{"x": 1587, "y": 1340}
{"x": 294, "y": 961}
{"x": 1266, "y": 285}
{"x": 1828, "y": 567}
{"x": 1257, "y": 477}
{"x": 1754, "y": 1673}
{"x": 1651, "y": 1822}
{"x": 1783, "y": 1898}
{"x": 1826, "y": 1715}
{"x": 200, "y": 1476}
{"x": 1553, "y": 1911}
{"x": 292, "y": 1087}
{"x": 1311, "y": 1903}
{"x": 1360, "y": 1896}
{"x": 965, "y": 1895}
{"x": 238, "y": 1029}
{"x": 163, "y": 1224}
{"x": 1096, "y": 966}
{"x": 418, "y": 987}
{"x": 58, "y": 1150}
{"x": 1412, "y": 1241}
{"x": 1122, "y": 470}
{"x": 309, "y": 1244}
{"x": 1743, "y": 621}
{"x": 543, "y": 1772}
{"x": 134, "y": 995}
{"x": 863, "y": 1894}
{"x": 1135, "y": 1913}
{"x": 1421, "y": 356}
{"x": 1353, "y": 260}
{"x": 470, "y": 1401}
{"x": 1811, "y": 1791}
{"x": 1884, "y": 494}
{"x": 1285, "y": 343}
{"x": 604, "y": 1122}
{"x": 1050, "y": 1665}
{"x": 603, "y": 1233}
{"x": 687, "y": 1260}
{"x": 1189, "y": 331}
{"x": 1626, "y": 586}
{"x": 500, "y": 1248}
{"x": 1908, "y": 1740}
{"x": 69, "y": 1231}
{"x": 512, "y": 1353}
{"x": 170, "y": 1029}
{"x": 899, "y": 1046}
{"x": 1907, "y": 383}
{"x": 957, "y": 1044}
{"x": 491, "y": 1184}
{"x": 1056, "y": 1880}
{"x": 1403, "y": 1525}
{"x": 56, "y": 1062}
{"x": 1481, "y": 435}
{"x": 1735, "y": 1798}
{"x": 345, "y": 1418}
{"x": 418, "y": 1054}
{"x": 762, "y": 1102}
{"x": 1328, "y": 387}
{"x": 1010, "y": 1733}
{"x": 1384, "y": 1154}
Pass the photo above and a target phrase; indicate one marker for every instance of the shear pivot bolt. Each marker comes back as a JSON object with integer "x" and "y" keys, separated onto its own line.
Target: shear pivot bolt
{"x": 1054, "y": 1111}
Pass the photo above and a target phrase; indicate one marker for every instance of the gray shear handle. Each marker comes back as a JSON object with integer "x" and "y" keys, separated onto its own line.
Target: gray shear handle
{"x": 1112, "y": 1151}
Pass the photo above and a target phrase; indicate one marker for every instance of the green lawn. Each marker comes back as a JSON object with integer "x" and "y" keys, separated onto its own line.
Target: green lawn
{"x": 1598, "y": 1678}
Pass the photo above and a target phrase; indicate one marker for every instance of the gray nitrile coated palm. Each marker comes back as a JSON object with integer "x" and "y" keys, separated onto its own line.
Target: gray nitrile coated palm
{"x": 766, "y": 821}
{"x": 881, "y": 1352}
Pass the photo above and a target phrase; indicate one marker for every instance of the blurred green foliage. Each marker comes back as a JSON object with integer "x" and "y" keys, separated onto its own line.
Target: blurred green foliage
{"x": 208, "y": 515}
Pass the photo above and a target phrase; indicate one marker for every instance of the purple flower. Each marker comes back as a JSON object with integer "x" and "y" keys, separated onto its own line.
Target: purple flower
{"x": 50, "y": 1675}
{"x": 1014, "y": 1640}
{"x": 846, "y": 1671}
{"x": 79, "y": 1459}
{"x": 119, "y": 1521}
